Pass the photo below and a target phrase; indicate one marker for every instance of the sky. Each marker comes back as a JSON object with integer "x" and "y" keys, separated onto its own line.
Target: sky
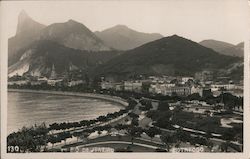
{"x": 223, "y": 20}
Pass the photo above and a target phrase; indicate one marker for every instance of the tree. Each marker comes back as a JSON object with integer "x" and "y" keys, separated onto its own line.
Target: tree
{"x": 181, "y": 135}
{"x": 135, "y": 122}
{"x": 134, "y": 132}
{"x": 229, "y": 135}
{"x": 164, "y": 121}
{"x": 167, "y": 140}
{"x": 210, "y": 145}
{"x": 96, "y": 83}
{"x": 163, "y": 106}
{"x": 152, "y": 131}
{"x": 194, "y": 96}
{"x": 77, "y": 135}
{"x": 224, "y": 146}
{"x": 208, "y": 135}
{"x": 64, "y": 136}
{"x": 53, "y": 139}
{"x": 99, "y": 132}
{"x": 133, "y": 115}
{"x": 87, "y": 79}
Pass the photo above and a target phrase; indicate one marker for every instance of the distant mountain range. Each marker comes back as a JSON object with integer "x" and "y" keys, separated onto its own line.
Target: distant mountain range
{"x": 119, "y": 51}
{"x": 173, "y": 55}
{"x": 225, "y": 48}
{"x": 121, "y": 37}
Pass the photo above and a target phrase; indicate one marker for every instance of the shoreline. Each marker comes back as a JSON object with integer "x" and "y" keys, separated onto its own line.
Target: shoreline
{"x": 115, "y": 99}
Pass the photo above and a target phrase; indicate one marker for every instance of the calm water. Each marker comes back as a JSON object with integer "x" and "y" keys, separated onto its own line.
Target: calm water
{"x": 26, "y": 109}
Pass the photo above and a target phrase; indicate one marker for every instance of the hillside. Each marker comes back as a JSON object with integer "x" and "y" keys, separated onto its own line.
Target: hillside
{"x": 27, "y": 32}
{"x": 74, "y": 35}
{"x": 237, "y": 50}
{"x": 216, "y": 45}
{"x": 39, "y": 58}
{"x": 224, "y": 48}
{"x": 172, "y": 55}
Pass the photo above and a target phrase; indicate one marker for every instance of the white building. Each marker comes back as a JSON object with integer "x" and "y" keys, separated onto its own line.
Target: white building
{"x": 53, "y": 82}
{"x": 75, "y": 83}
{"x": 217, "y": 87}
{"x": 185, "y": 79}
{"x": 128, "y": 86}
{"x": 196, "y": 89}
{"x": 135, "y": 86}
{"x": 168, "y": 89}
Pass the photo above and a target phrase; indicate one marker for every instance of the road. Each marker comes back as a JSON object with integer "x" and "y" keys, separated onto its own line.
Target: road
{"x": 119, "y": 142}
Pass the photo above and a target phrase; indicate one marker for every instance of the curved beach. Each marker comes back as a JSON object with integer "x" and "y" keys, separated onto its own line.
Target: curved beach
{"x": 29, "y": 107}
{"x": 86, "y": 95}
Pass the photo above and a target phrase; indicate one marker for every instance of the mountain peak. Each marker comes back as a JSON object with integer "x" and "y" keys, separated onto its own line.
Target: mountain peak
{"x": 26, "y": 23}
{"x": 175, "y": 36}
{"x": 72, "y": 21}
{"x": 23, "y": 15}
{"x": 120, "y": 26}
{"x": 74, "y": 35}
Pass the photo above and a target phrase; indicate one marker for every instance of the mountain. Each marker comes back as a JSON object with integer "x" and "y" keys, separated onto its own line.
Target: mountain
{"x": 39, "y": 58}
{"x": 73, "y": 35}
{"x": 27, "y": 32}
{"x": 121, "y": 37}
{"x": 217, "y": 46}
{"x": 171, "y": 55}
{"x": 224, "y": 48}
{"x": 237, "y": 50}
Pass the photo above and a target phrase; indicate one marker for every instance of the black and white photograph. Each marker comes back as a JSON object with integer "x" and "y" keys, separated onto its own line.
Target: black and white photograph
{"x": 124, "y": 77}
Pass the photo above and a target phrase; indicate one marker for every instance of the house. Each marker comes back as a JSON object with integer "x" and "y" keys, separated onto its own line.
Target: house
{"x": 180, "y": 91}
{"x": 204, "y": 76}
{"x": 137, "y": 86}
{"x": 128, "y": 86}
{"x": 196, "y": 89}
{"x": 107, "y": 85}
{"x": 186, "y": 79}
{"x": 169, "y": 89}
{"x": 75, "y": 83}
{"x": 217, "y": 87}
{"x": 119, "y": 87}
{"x": 54, "y": 82}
